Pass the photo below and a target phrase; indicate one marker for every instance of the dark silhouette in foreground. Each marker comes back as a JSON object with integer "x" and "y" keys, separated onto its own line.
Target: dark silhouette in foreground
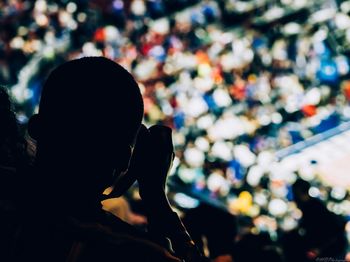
{"x": 88, "y": 131}
{"x": 219, "y": 229}
{"x": 257, "y": 247}
{"x": 320, "y": 234}
{"x": 217, "y": 226}
{"x": 11, "y": 160}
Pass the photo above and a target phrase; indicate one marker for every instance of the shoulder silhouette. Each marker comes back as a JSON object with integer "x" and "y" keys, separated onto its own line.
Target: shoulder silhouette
{"x": 89, "y": 116}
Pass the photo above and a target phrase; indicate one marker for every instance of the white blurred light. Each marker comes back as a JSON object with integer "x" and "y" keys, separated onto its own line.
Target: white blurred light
{"x": 314, "y": 192}
{"x": 17, "y": 43}
{"x": 138, "y": 7}
{"x": 204, "y": 70}
{"x": 254, "y": 175}
{"x": 276, "y": 118}
{"x": 196, "y": 107}
{"x": 260, "y": 199}
{"x": 313, "y": 96}
{"x": 64, "y": 17}
{"x": 40, "y": 6}
{"x": 167, "y": 109}
{"x": 187, "y": 175}
{"x": 111, "y": 33}
{"x": 222, "y": 150}
{"x": 307, "y": 172}
{"x": 202, "y": 143}
{"x": 72, "y": 25}
{"x": 228, "y": 128}
{"x": 89, "y": 49}
{"x": 248, "y": 55}
{"x": 274, "y": 13}
{"x": 41, "y": 20}
{"x": 342, "y": 65}
{"x": 241, "y": 6}
{"x": 282, "y": 171}
{"x": 279, "y": 51}
{"x": 300, "y": 3}
{"x": 277, "y": 207}
{"x": 264, "y": 120}
{"x": 161, "y": 26}
{"x": 342, "y": 21}
{"x": 322, "y": 15}
{"x": 185, "y": 201}
{"x": 345, "y": 7}
{"x": 338, "y": 193}
{"x": 243, "y": 154}
{"x": 289, "y": 223}
{"x": 204, "y": 83}
{"x": 228, "y": 62}
{"x": 81, "y": 17}
{"x": 279, "y": 191}
{"x": 216, "y": 182}
{"x": 145, "y": 69}
{"x": 222, "y": 98}
{"x": 226, "y": 38}
{"x": 194, "y": 157}
{"x": 265, "y": 158}
{"x": 320, "y": 36}
{"x": 71, "y": 7}
{"x": 205, "y": 122}
{"x": 292, "y": 28}
{"x": 346, "y": 111}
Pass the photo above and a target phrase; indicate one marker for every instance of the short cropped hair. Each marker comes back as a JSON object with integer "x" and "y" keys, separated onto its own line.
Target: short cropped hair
{"x": 91, "y": 97}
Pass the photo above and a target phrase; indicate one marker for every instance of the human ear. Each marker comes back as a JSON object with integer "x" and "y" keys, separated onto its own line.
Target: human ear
{"x": 124, "y": 158}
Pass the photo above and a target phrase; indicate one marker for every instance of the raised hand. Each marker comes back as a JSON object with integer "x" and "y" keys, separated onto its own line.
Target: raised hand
{"x": 150, "y": 163}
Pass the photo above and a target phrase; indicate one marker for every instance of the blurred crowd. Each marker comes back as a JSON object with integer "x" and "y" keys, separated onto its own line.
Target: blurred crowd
{"x": 236, "y": 80}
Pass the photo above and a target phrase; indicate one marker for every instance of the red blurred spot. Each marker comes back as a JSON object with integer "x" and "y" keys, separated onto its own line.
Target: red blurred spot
{"x": 309, "y": 110}
{"x": 346, "y": 90}
{"x": 99, "y": 35}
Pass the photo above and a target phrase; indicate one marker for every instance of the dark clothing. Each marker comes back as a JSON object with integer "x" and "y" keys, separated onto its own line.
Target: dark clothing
{"x": 218, "y": 226}
{"x": 32, "y": 230}
{"x": 319, "y": 229}
{"x": 8, "y": 212}
{"x": 323, "y": 229}
{"x": 66, "y": 239}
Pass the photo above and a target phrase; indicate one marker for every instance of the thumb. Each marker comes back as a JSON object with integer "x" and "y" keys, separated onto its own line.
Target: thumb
{"x": 126, "y": 180}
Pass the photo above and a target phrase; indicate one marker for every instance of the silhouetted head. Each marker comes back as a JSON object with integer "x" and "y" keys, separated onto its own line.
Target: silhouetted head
{"x": 89, "y": 115}
{"x": 5, "y": 102}
{"x": 301, "y": 190}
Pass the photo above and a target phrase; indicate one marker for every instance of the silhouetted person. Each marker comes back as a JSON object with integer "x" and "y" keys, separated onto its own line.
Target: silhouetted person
{"x": 89, "y": 116}
{"x": 256, "y": 247}
{"x": 217, "y": 226}
{"x": 11, "y": 144}
{"x": 11, "y": 160}
{"x": 321, "y": 233}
